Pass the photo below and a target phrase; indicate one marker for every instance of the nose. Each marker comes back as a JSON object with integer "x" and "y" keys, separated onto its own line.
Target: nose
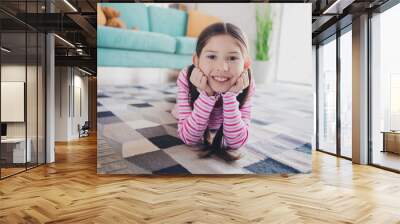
{"x": 222, "y": 66}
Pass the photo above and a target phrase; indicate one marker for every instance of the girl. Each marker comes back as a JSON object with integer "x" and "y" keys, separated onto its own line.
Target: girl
{"x": 214, "y": 93}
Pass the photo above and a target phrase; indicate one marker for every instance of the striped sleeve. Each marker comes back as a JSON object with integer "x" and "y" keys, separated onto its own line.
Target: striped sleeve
{"x": 236, "y": 121}
{"x": 192, "y": 122}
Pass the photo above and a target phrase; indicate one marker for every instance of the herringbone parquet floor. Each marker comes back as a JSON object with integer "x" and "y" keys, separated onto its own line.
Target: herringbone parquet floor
{"x": 70, "y": 191}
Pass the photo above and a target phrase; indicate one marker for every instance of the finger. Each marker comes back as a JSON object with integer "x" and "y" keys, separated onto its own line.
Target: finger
{"x": 240, "y": 84}
{"x": 200, "y": 71}
{"x": 196, "y": 78}
{"x": 203, "y": 81}
{"x": 198, "y": 75}
{"x": 245, "y": 82}
{"x": 234, "y": 80}
{"x": 240, "y": 81}
{"x": 193, "y": 79}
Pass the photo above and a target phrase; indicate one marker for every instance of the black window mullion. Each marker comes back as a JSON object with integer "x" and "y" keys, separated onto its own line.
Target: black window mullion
{"x": 369, "y": 90}
{"x": 26, "y": 88}
{"x": 338, "y": 98}
{"x": 0, "y": 97}
{"x": 317, "y": 96}
{"x": 37, "y": 90}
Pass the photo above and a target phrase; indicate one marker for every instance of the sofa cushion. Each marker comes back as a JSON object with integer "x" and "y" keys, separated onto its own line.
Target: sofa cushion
{"x": 110, "y": 37}
{"x": 167, "y": 21}
{"x": 185, "y": 45}
{"x": 141, "y": 59}
{"x": 197, "y": 21}
{"x": 133, "y": 15}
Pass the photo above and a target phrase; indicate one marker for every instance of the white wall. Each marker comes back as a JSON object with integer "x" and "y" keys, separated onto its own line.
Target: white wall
{"x": 69, "y": 81}
{"x": 290, "y": 43}
{"x": 12, "y": 73}
{"x": 228, "y": 12}
{"x": 294, "y": 53}
{"x": 79, "y": 117}
{"x": 62, "y": 81}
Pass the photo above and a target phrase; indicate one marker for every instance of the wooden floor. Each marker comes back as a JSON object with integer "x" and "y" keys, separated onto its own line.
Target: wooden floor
{"x": 387, "y": 159}
{"x": 70, "y": 191}
{"x": 10, "y": 171}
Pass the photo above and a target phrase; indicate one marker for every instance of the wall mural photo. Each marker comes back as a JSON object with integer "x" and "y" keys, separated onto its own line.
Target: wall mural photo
{"x": 193, "y": 88}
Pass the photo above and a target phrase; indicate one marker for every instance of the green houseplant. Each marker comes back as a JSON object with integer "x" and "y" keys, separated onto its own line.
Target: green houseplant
{"x": 264, "y": 27}
{"x": 262, "y": 66}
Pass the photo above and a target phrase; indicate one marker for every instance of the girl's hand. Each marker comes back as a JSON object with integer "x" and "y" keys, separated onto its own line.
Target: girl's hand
{"x": 200, "y": 80}
{"x": 241, "y": 83}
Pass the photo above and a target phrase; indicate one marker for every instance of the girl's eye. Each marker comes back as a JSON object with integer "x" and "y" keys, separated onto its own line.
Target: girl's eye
{"x": 232, "y": 58}
{"x": 212, "y": 57}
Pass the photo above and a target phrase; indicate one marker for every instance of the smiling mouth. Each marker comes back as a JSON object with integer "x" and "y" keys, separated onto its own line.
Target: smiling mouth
{"x": 220, "y": 78}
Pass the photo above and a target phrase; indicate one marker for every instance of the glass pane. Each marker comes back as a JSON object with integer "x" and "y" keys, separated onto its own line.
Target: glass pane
{"x": 327, "y": 96}
{"x": 13, "y": 87}
{"x": 41, "y": 98}
{"x": 386, "y": 89}
{"x": 346, "y": 94}
{"x": 32, "y": 89}
{"x": 31, "y": 98}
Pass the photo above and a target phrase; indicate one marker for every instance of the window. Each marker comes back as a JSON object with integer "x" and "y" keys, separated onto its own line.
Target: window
{"x": 22, "y": 76}
{"x": 327, "y": 96}
{"x": 385, "y": 88}
{"x": 346, "y": 94}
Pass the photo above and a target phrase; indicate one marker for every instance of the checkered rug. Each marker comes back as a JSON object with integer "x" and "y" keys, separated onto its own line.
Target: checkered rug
{"x": 138, "y": 135}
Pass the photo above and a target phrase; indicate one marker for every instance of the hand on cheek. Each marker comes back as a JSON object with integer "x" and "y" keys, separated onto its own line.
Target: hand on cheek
{"x": 240, "y": 83}
{"x": 200, "y": 80}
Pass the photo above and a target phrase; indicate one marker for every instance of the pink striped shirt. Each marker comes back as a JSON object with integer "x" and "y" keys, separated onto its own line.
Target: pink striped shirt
{"x": 205, "y": 113}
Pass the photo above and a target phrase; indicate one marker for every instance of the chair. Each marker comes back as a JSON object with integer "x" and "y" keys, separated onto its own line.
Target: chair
{"x": 84, "y": 130}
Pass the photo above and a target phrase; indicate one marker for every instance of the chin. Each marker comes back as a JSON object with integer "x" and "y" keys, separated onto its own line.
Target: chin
{"x": 220, "y": 89}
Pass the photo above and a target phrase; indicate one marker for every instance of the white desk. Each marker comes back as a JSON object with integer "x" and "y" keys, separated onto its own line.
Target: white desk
{"x": 19, "y": 149}
{"x": 391, "y": 141}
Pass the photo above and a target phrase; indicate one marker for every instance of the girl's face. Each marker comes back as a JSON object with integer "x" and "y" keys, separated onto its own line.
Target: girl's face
{"x": 222, "y": 61}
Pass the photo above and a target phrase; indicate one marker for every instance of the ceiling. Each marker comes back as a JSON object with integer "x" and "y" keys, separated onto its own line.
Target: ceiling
{"x": 332, "y": 15}
{"x": 76, "y": 25}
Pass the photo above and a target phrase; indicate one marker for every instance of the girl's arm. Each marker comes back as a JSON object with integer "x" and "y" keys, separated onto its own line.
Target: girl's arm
{"x": 192, "y": 122}
{"x": 236, "y": 121}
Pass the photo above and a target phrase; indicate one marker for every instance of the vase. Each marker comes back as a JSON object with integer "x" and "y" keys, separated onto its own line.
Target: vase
{"x": 262, "y": 72}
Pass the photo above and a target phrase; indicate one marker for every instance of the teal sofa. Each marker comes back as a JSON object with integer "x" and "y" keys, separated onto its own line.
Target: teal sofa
{"x": 159, "y": 42}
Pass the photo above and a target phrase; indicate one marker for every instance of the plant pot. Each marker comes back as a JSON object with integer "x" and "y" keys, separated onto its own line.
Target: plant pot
{"x": 262, "y": 72}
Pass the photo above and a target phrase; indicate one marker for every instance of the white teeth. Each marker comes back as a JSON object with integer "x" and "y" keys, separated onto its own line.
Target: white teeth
{"x": 220, "y": 79}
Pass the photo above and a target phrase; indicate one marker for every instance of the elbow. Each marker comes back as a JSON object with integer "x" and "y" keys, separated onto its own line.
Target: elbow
{"x": 186, "y": 139}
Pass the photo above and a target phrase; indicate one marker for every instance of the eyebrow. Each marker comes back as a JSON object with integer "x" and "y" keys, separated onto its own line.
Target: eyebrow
{"x": 231, "y": 52}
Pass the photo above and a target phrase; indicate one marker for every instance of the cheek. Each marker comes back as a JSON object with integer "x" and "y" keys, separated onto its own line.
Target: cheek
{"x": 205, "y": 66}
{"x": 237, "y": 69}
{"x": 235, "y": 77}
{"x": 237, "y": 65}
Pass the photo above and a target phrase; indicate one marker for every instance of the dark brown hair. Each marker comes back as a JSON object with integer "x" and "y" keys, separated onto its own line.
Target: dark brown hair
{"x": 216, "y": 147}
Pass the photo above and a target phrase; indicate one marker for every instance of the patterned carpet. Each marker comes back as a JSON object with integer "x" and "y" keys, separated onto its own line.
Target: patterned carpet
{"x": 138, "y": 135}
